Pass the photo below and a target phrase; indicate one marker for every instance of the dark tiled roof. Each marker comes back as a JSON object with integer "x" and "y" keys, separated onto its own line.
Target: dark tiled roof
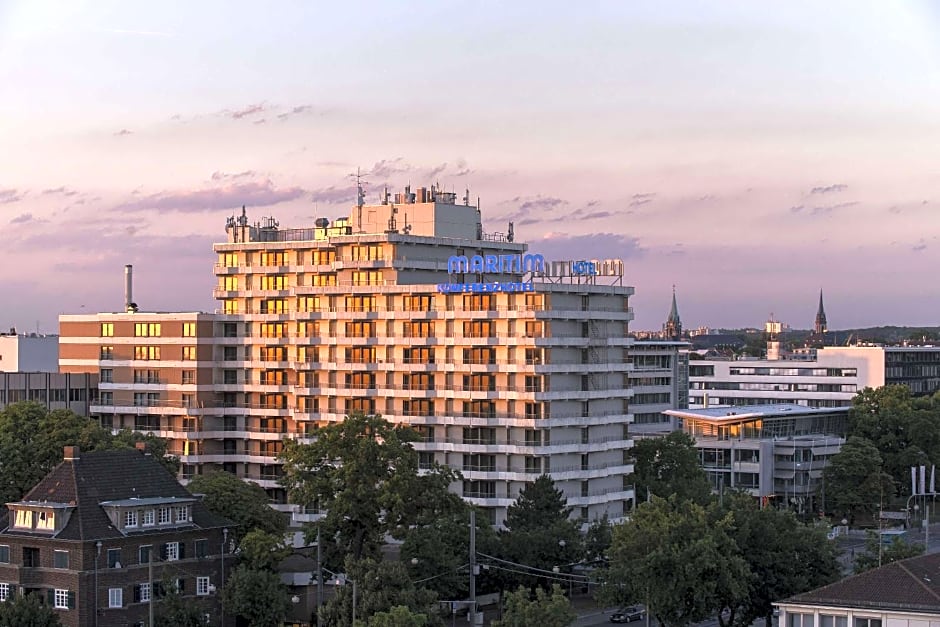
{"x": 110, "y": 475}
{"x": 912, "y": 584}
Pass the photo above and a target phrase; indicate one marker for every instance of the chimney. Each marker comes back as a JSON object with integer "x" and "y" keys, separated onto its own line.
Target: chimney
{"x": 128, "y": 287}
{"x": 142, "y": 447}
{"x": 71, "y": 453}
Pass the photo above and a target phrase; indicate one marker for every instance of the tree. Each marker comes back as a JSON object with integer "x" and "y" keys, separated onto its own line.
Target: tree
{"x": 539, "y": 532}
{"x": 783, "y": 557}
{"x": 380, "y": 586}
{"x": 262, "y": 550}
{"x": 174, "y": 610}
{"x": 675, "y": 559}
{"x": 364, "y": 472}
{"x": 398, "y": 616}
{"x": 520, "y": 609}
{"x": 32, "y": 439}
{"x": 670, "y": 466}
{"x": 244, "y": 503}
{"x": 597, "y": 540}
{"x": 855, "y": 481}
{"x": 27, "y": 611}
{"x": 258, "y": 596}
{"x": 874, "y": 555}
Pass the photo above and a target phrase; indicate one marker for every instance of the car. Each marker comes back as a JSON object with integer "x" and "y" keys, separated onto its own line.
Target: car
{"x": 628, "y": 614}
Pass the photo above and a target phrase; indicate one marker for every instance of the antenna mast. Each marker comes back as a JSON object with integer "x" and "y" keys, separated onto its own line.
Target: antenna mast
{"x": 360, "y": 196}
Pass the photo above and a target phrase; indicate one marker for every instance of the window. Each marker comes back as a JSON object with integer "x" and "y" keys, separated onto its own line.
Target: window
{"x": 274, "y": 259}
{"x": 367, "y": 277}
{"x": 45, "y": 521}
{"x": 30, "y": 557}
{"x": 4, "y": 554}
{"x": 201, "y": 548}
{"x": 864, "y": 622}
{"x": 229, "y": 260}
{"x": 202, "y": 586}
{"x": 171, "y": 551}
{"x": 142, "y": 593}
{"x": 106, "y": 352}
{"x": 144, "y": 329}
{"x": 130, "y": 519}
{"x": 189, "y": 377}
{"x": 826, "y": 620}
{"x": 182, "y": 514}
{"x": 107, "y": 375}
{"x": 143, "y": 554}
{"x": 230, "y": 306}
{"x": 189, "y": 353}
{"x": 149, "y": 517}
{"x": 60, "y": 559}
{"x": 114, "y": 558}
{"x": 164, "y": 517}
{"x": 189, "y": 329}
{"x": 60, "y": 599}
{"x": 799, "y": 620}
{"x": 4, "y": 591}
{"x": 23, "y": 519}
{"x": 274, "y": 282}
{"x": 115, "y": 597}
{"x": 107, "y": 329}
{"x": 147, "y": 353}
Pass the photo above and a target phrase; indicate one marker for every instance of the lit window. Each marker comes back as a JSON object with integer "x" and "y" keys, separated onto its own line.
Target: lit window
{"x": 107, "y": 329}
{"x": 202, "y": 586}
{"x": 143, "y": 329}
{"x": 45, "y": 520}
{"x": 149, "y": 517}
{"x": 189, "y": 353}
{"x": 189, "y": 329}
{"x": 115, "y": 597}
{"x": 4, "y": 591}
{"x": 147, "y": 352}
{"x": 130, "y": 519}
{"x": 61, "y": 599}
{"x": 24, "y": 519}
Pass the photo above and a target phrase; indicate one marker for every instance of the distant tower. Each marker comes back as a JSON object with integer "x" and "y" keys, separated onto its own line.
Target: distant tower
{"x": 672, "y": 330}
{"x": 820, "y": 326}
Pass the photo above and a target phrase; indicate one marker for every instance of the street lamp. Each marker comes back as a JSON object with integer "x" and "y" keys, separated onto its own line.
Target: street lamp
{"x": 342, "y": 580}
{"x": 222, "y": 596}
{"x": 97, "y": 555}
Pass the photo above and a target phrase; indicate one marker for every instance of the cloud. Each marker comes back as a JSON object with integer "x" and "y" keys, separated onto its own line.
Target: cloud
{"x": 796, "y": 208}
{"x": 334, "y": 195}
{"x": 820, "y": 210}
{"x": 298, "y": 110}
{"x": 539, "y": 203}
{"x": 386, "y": 168}
{"x": 258, "y": 194}
{"x": 919, "y": 246}
{"x": 246, "y": 111}
{"x": 22, "y": 218}
{"x": 65, "y": 191}
{"x": 218, "y": 175}
{"x": 638, "y": 200}
{"x": 556, "y": 245}
{"x": 828, "y": 189}
{"x": 8, "y": 196}
{"x": 123, "y": 132}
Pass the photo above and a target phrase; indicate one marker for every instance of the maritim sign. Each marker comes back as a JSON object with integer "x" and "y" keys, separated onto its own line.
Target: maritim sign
{"x": 493, "y": 264}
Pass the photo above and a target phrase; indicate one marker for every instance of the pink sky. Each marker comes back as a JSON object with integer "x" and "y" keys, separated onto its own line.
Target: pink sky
{"x": 748, "y": 157}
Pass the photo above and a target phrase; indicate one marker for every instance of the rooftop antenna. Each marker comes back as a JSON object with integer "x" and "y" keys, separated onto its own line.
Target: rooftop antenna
{"x": 466, "y": 197}
{"x": 510, "y": 234}
{"x": 360, "y": 196}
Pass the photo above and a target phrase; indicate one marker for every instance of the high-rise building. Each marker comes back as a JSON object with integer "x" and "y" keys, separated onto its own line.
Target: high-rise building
{"x": 508, "y": 364}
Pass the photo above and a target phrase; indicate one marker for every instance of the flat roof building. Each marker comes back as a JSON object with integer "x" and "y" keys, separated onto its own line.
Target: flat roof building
{"x": 28, "y": 352}
{"x": 660, "y": 381}
{"x": 508, "y": 364}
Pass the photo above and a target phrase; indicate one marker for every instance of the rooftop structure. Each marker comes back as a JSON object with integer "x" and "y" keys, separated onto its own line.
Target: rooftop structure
{"x": 32, "y": 352}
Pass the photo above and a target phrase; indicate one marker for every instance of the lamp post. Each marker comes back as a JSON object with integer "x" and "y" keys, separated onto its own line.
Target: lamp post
{"x": 221, "y": 583}
{"x": 342, "y": 580}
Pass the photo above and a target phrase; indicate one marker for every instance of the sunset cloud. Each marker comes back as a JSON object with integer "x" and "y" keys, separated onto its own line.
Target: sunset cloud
{"x": 256, "y": 193}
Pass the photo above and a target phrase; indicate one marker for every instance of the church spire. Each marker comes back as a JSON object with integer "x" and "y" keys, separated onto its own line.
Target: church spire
{"x": 672, "y": 330}
{"x": 820, "y": 327}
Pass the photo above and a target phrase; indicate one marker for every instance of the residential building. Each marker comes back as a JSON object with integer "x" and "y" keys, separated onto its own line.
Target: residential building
{"x": 32, "y": 352}
{"x": 775, "y": 452}
{"x": 825, "y": 377}
{"x": 98, "y": 536}
{"x": 659, "y": 380}
{"x": 899, "y": 594}
{"x": 508, "y": 364}
{"x": 75, "y": 392}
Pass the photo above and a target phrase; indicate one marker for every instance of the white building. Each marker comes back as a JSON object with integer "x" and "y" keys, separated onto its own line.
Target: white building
{"x": 31, "y": 352}
{"x": 776, "y": 452}
{"x": 660, "y": 381}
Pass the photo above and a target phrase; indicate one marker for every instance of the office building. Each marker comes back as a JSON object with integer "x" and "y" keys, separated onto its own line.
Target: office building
{"x": 775, "y": 452}
{"x": 659, "y": 380}
{"x": 32, "y": 352}
{"x": 508, "y": 364}
{"x": 101, "y": 533}
{"x": 75, "y": 392}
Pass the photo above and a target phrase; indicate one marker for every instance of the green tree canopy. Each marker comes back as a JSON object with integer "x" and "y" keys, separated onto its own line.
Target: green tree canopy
{"x": 398, "y": 616}
{"x": 522, "y": 609}
{"x": 783, "y": 557}
{"x": 669, "y": 466}
{"x": 364, "y": 472}
{"x": 174, "y": 610}
{"x": 244, "y": 503}
{"x": 27, "y": 611}
{"x": 539, "y": 532}
{"x": 675, "y": 559}
{"x": 855, "y": 482}
{"x": 32, "y": 439}
{"x": 380, "y": 587}
{"x": 257, "y": 596}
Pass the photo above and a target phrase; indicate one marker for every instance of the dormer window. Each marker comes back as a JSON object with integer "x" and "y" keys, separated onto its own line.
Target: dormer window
{"x": 23, "y": 519}
{"x": 165, "y": 513}
{"x": 182, "y": 514}
{"x": 130, "y": 518}
{"x": 45, "y": 521}
{"x": 149, "y": 517}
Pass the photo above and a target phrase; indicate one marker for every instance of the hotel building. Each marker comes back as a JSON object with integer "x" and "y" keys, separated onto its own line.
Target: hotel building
{"x": 508, "y": 365}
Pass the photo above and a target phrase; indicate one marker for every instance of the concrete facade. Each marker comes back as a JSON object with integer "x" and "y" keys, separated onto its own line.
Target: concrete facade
{"x": 32, "y": 352}
{"x": 73, "y": 391}
{"x": 660, "y": 381}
